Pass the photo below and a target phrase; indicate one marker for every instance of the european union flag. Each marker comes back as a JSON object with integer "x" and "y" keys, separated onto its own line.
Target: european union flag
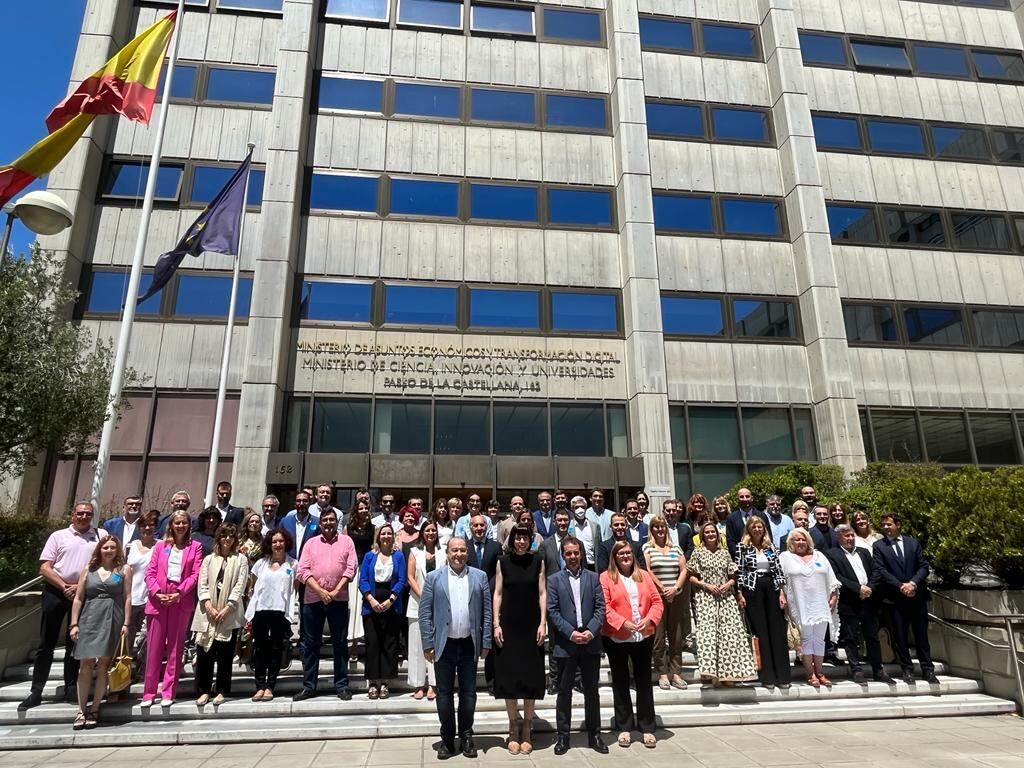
{"x": 216, "y": 230}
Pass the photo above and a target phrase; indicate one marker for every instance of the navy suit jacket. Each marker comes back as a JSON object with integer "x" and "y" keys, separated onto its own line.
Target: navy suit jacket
{"x": 562, "y": 612}
{"x": 824, "y": 540}
{"x": 288, "y": 524}
{"x": 546, "y": 530}
{"x": 115, "y": 527}
{"x": 436, "y": 611}
{"x": 734, "y": 528}
{"x": 892, "y": 572}
{"x": 489, "y": 563}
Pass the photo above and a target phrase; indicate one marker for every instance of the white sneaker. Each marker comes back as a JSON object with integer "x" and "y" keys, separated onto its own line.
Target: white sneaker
{"x": 146, "y": 703}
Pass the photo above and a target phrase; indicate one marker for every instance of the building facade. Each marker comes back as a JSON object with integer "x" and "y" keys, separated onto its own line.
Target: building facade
{"x": 505, "y": 246}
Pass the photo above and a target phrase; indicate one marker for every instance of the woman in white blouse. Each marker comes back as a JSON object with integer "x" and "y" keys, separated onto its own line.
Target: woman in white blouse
{"x": 271, "y": 610}
{"x": 138, "y": 554}
{"x": 812, "y": 591}
{"x": 429, "y": 556}
{"x": 866, "y": 536}
{"x": 381, "y": 582}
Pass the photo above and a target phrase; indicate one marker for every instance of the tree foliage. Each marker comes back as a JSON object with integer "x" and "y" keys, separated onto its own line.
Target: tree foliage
{"x": 54, "y": 378}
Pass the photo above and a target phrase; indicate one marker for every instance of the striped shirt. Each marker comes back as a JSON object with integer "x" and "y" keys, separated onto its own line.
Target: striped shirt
{"x": 664, "y": 565}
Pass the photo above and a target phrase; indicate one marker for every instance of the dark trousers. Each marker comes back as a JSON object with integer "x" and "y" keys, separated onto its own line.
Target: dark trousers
{"x": 859, "y": 621}
{"x": 911, "y": 614}
{"x": 382, "y": 641}
{"x": 221, "y": 653}
{"x": 336, "y": 615}
{"x": 269, "y": 630}
{"x": 586, "y": 665}
{"x": 457, "y": 660}
{"x": 55, "y": 608}
{"x": 620, "y": 656}
{"x": 768, "y": 624}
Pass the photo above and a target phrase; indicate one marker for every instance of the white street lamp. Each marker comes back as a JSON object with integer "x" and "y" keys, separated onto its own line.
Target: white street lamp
{"x": 42, "y": 212}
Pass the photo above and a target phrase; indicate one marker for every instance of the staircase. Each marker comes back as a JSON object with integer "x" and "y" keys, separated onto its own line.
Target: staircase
{"x": 326, "y": 717}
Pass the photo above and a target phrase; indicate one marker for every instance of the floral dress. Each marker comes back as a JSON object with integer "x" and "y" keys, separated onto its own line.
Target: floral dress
{"x": 723, "y": 647}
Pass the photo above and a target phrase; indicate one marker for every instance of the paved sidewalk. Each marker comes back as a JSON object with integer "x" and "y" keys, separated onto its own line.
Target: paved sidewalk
{"x": 940, "y": 742}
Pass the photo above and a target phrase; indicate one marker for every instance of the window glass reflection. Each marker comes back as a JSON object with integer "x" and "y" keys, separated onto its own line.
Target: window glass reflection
{"x": 767, "y": 434}
{"x": 463, "y": 428}
{"x": 955, "y": 142}
{"x": 562, "y": 24}
{"x": 934, "y": 326}
{"x": 577, "y": 430}
{"x": 108, "y": 291}
{"x": 341, "y": 426}
{"x": 675, "y": 119}
{"x": 424, "y": 198}
{"x": 501, "y": 202}
{"x": 763, "y": 318}
{"x": 852, "y": 223}
{"x": 433, "y": 13}
{"x": 428, "y": 100}
{"x": 729, "y": 40}
{"x": 419, "y": 305}
{"x": 335, "y": 302}
{"x": 502, "y": 19}
{"x": 209, "y": 296}
{"x": 999, "y": 66}
{"x": 593, "y": 312}
{"x": 870, "y": 323}
{"x": 208, "y": 181}
{"x": 496, "y": 308}
{"x": 884, "y": 56}
{"x": 945, "y": 438}
{"x": 940, "y": 60}
{"x": 751, "y": 217}
{"x": 681, "y": 213}
{"x": 896, "y": 436}
{"x": 894, "y": 136}
{"x": 994, "y": 442}
{"x": 520, "y": 430}
{"x": 401, "y": 427}
{"x": 580, "y": 207}
{"x": 915, "y": 227}
{"x": 503, "y": 106}
{"x": 822, "y": 49}
{"x": 665, "y": 33}
{"x": 692, "y": 316}
{"x": 375, "y": 10}
{"x": 739, "y": 124}
{"x": 978, "y": 231}
{"x": 999, "y": 328}
{"x": 575, "y": 111}
{"x": 334, "y": 192}
{"x": 241, "y": 86}
{"x": 714, "y": 434}
{"x": 128, "y": 179}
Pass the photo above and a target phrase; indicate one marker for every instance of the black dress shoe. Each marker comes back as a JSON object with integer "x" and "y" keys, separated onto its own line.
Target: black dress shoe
{"x": 561, "y": 745}
{"x": 445, "y": 751}
{"x": 70, "y": 695}
{"x": 552, "y": 690}
{"x": 32, "y": 700}
{"x": 884, "y": 677}
{"x": 908, "y": 677}
{"x": 859, "y": 677}
{"x": 833, "y": 660}
{"x": 345, "y": 695}
{"x": 931, "y": 679}
{"x": 598, "y": 745}
{"x": 304, "y": 694}
{"x": 468, "y": 747}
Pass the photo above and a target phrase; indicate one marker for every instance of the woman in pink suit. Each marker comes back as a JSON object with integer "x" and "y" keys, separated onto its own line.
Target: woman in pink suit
{"x": 171, "y": 577}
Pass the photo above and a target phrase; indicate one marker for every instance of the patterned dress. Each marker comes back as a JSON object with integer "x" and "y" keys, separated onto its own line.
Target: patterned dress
{"x": 723, "y": 648}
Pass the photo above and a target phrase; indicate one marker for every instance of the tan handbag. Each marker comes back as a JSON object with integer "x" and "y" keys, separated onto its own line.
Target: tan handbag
{"x": 120, "y": 676}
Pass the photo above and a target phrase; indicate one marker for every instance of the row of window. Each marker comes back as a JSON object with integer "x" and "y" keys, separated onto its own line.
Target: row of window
{"x": 900, "y": 324}
{"x": 934, "y": 228}
{"x": 460, "y": 307}
{"x": 703, "y": 38}
{"x": 518, "y": 20}
{"x": 973, "y": 3}
{"x": 219, "y": 84}
{"x": 950, "y": 437}
{"x": 709, "y": 122}
{"x": 547, "y": 205}
{"x": 228, "y": 5}
{"x": 721, "y": 215}
{"x": 189, "y": 295}
{"x": 729, "y": 317}
{"x": 714, "y": 447}
{"x": 909, "y": 57}
{"x": 918, "y": 138}
{"x": 328, "y": 425}
{"x": 464, "y": 103}
{"x": 186, "y": 182}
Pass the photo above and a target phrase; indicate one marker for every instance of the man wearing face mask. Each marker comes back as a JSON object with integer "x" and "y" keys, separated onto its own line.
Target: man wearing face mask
{"x": 619, "y": 528}
{"x": 585, "y": 530}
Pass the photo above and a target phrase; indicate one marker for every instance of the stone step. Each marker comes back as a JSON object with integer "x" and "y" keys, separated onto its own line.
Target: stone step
{"x": 490, "y": 724}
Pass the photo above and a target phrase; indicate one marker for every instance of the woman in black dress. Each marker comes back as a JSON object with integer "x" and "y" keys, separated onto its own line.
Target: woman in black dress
{"x": 520, "y": 615}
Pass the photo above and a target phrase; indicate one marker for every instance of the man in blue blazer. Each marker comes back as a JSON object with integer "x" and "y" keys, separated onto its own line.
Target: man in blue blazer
{"x": 124, "y": 528}
{"x": 544, "y": 517}
{"x": 737, "y": 519}
{"x": 300, "y": 521}
{"x": 903, "y": 571}
{"x": 455, "y": 626}
{"x": 575, "y": 616}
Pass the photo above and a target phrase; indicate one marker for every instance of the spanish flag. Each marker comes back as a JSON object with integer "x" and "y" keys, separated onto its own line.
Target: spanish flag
{"x": 126, "y": 84}
{"x": 42, "y": 158}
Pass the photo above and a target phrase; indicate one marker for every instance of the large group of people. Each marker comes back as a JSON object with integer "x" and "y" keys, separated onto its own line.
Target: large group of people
{"x": 557, "y": 586}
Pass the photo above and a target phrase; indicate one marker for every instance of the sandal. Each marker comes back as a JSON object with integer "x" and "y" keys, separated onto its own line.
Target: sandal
{"x": 663, "y": 683}
{"x": 268, "y": 695}
{"x": 384, "y": 692}
{"x": 525, "y": 729}
{"x": 91, "y": 719}
{"x": 373, "y": 693}
{"x": 258, "y": 696}
{"x": 624, "y": 739}
{"x": 79, "y": 723}
{"x": 650, "y": 741}
{"x": 512, "y": 743}
{"x": 824, "y": 681}
{"x": 812, "y": 681}
{"x": 431, "y": 693}
{"x": 678, "y": 682}
{"x": 420, "y": 693}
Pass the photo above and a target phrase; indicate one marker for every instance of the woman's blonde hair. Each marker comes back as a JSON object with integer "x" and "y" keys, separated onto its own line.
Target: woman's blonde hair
{"x": 708, "y": 524}
{"x": 766, "y": 538}
{"x": 376, "y": 537}
{"x": 800, "y": 532}
{"x": 613, "y": 565}
{"x": 800, "y": 504}
{"x": 169, "y": 533}
{"x": 661, "y": 522}
{"x": 714, "y": 501}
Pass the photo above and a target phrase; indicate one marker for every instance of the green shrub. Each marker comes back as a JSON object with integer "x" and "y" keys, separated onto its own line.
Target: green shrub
{"x": 22, "y": 536}
{"x": 788, "y": 479}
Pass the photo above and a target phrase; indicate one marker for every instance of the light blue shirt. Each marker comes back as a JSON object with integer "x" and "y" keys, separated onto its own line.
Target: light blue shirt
{"x": 603, "y": 520}
{"x": 780, "y": 528}
{"x": 462, "y": 528}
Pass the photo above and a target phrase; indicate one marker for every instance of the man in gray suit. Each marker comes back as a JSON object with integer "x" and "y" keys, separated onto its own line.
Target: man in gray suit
{"x": 455, "y": 625}
{"x": 575, "y": 615}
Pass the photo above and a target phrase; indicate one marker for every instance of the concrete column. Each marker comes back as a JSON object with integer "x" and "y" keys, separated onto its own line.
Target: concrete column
{"x": 646, "y": 379}
{"x": 828, "y": 359}
{"x": 267, "y": 355}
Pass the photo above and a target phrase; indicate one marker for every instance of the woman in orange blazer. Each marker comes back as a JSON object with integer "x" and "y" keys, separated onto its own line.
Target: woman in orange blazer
{"x": 633, "y": 609}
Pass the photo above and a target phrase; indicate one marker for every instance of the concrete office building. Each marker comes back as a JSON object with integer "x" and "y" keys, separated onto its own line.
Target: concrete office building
{"x": 500, "y": 246}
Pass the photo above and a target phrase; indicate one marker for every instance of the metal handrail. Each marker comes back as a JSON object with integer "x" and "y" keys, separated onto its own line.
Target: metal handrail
{"x": 23, "y": 588}
{"x": 20, "y": 617}
{"x": 1014, "y": 617}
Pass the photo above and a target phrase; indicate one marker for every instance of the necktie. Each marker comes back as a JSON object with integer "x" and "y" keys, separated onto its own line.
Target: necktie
{"x": 479, "y": 554}
{"x": 898, "y": 546}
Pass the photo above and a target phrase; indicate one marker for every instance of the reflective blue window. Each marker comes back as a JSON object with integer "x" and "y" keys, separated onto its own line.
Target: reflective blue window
{"x": 822, "y": 49}
{"x": 183, "y": 83}
{"x": 575, "y": 111}
{"x": 108, "y": 290}
{"x": 209, "y": 295}
{"x": 427, "y": 100}
{"x": 435, "y": 13}
{"x": 581, "y": 207}
{"x": 751, "y": 217}
{"x": 572, "y": 25}
{"x": 492, "y": 308}
{"x": 129, "y": 180}
{"x": 999, "y": 66}
{"x": 664, "y": 33}
{"x": 915, "y": 227}
{"x": 692, "y": 316}
{"x": 241, "y": 86}
{"x": 253, "y": 5}
{"x": 419, "y": 305}
{"x": 739, "y": 124}
{"x": 940, "y": 60}
{"x": 350, "y": 93}
{"x": 208, "y": 181}
{"x": 836, "y": 132}
{"x": 733, "y": 41}
{"x": 595, "y": 312}
{"x": 852, "y": 224}
{"x": 870, "y": 322}
{"x": 375, "y": 10}
{"x": 336, "y": 302}
{"x": 884, "y": 56}
{"x": 425, "y": 198}
{"x": 771, "y": 319}
{"x": 934, "y": 325}
{"x": 674, "y": 119}
{"x": 502, "y": 203}
{"x": 343, "y": 193}
{"x": 956, "y": 142}
{"x": 505, "y": 19}
{"x": 503, "y": 106}
{"x": 891, "y": 136}
{"x": 677, "y": 213}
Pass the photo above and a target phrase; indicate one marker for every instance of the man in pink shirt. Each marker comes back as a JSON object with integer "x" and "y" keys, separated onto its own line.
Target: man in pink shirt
{"x": 326, "y": 566}
{"x": 64, "y": 558}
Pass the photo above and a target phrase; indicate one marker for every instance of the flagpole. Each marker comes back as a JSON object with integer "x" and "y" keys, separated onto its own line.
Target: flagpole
{"x": 128, "y": 314}
{"x": 222, "y": 387}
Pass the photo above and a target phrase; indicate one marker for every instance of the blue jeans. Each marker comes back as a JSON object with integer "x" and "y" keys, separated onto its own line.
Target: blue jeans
{"x": 458, "y": 658}
{"x": 313, "y": 615}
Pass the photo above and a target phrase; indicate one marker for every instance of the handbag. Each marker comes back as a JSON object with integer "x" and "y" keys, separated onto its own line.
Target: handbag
{"x": 120, "y": 675}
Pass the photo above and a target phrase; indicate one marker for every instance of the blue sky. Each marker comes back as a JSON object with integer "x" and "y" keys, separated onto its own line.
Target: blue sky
{"x": 37, "y": 46}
